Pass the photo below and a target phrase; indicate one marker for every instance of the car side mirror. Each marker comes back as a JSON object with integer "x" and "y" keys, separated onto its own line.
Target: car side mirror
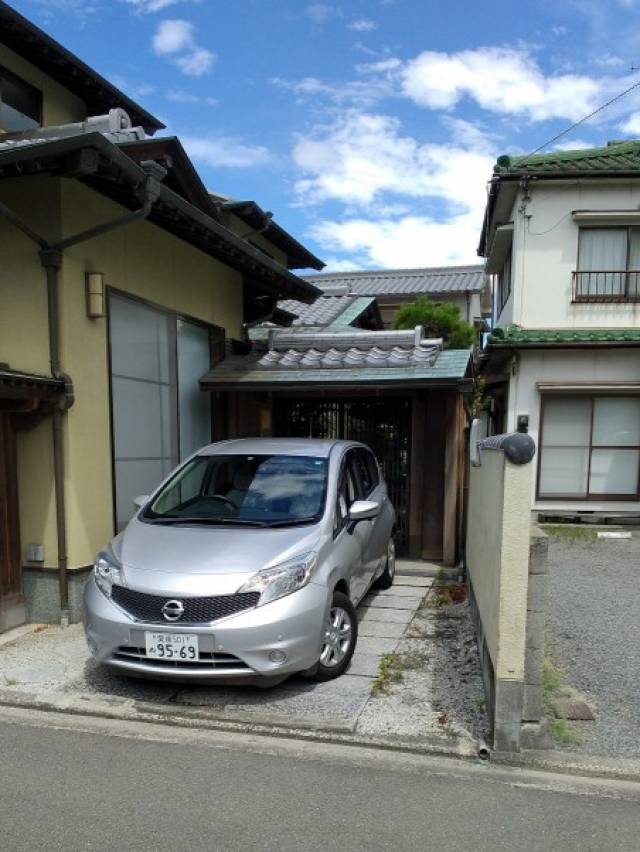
{"x": 139, "y": 501}
{"x": 362, "y": 510}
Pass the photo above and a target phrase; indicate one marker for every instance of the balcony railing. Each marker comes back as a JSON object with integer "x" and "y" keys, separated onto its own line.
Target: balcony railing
{"x": 608, "y": 285}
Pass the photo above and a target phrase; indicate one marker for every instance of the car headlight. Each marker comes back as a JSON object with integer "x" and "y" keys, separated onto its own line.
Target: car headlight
{"x": 107, "y": 571}
{"x": 281, "y": 580}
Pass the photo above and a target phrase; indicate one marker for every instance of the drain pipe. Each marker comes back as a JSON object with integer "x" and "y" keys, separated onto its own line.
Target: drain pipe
{"x": 51, "y": 259}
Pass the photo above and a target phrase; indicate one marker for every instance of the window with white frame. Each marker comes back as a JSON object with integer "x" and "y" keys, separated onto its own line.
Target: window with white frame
{"x": 608, "y": 264}
{"x": 590, "y": 448}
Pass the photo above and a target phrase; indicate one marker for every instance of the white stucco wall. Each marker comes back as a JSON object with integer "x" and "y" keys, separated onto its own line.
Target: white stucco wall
{"x": 497, "y": 554}
{"x": 586, "y": 366}
{"x": 545, "y": 253}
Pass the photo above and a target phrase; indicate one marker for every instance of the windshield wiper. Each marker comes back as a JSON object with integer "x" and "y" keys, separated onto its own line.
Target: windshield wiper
{"x": 292, "y": 522}
{"x": 179, "y": 519}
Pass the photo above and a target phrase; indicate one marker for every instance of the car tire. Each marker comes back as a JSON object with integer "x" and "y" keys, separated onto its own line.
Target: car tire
{"x": 385, "y": 580}
{"x": 339, "y": 639}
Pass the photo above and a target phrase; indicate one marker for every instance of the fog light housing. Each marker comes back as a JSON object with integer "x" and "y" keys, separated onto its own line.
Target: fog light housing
{"x": 278, "y": 657}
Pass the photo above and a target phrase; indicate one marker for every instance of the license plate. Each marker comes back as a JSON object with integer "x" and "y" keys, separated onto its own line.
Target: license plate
{"x": 171, "y": 646}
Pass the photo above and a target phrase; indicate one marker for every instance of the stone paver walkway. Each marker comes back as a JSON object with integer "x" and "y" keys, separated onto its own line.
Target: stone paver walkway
{"x": 54, "y": 665}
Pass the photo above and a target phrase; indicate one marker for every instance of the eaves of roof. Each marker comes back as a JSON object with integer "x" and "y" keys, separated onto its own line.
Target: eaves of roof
{"x": 107, "y": 169}
{"x": 513, "y": 337}
{"x": 254, "y": 216}
{"x": 614, "y": 157}
{"x": 34, "y": 45}
{"x": 239, "y": 372}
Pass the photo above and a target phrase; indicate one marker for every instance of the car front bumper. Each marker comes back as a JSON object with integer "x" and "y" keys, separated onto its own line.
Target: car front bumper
{"x": 232, "y": 648}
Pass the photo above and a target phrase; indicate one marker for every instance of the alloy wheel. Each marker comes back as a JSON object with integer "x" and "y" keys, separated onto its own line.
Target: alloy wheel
{"x": 337, "y": 637}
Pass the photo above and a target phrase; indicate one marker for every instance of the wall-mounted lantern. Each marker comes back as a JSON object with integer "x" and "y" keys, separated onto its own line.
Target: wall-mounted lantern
{"x": 95, "y": 294}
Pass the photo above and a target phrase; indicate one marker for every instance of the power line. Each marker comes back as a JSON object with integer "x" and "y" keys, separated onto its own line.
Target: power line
{"x": 586, "y": 118}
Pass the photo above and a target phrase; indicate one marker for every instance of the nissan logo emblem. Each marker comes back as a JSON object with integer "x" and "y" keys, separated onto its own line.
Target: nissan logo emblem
{"x": 173, "y": 610}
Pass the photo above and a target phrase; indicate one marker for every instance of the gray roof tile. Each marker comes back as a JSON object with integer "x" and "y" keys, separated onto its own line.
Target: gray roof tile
{"x": 399, "y": 282}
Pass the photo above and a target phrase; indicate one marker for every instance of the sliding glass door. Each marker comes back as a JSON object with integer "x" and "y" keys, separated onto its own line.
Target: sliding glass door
{"x": 159, "y": 414}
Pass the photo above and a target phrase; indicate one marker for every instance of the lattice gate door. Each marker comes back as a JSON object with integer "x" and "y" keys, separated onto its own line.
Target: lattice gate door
{"x": 384, "y": 425}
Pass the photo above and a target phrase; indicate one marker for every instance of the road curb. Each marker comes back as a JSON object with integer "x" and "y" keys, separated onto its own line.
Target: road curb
{"x": 195, "y": 718}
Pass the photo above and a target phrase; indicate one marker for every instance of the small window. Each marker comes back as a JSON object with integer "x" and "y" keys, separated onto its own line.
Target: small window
{"x": 20, "y": 104}
{"x": 504, "y": 284}
{"x": 590, "y": 448}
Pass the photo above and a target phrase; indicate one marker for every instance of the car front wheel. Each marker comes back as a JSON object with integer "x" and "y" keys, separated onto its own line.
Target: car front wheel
{"x": 339, "y": 638}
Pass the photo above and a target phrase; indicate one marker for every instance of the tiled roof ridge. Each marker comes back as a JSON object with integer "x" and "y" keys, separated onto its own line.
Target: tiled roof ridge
{"x": 511, "y": 334}
{"x": 382, "y": 273}
{"x": 610, "y": 152}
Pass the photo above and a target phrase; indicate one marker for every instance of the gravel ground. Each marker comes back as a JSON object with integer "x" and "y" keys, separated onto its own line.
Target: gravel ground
{"x": 594, "y": 632}
{"x": 441, "y": 692}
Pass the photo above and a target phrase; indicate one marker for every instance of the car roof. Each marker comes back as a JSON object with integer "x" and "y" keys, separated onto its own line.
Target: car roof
{"x": 274, "y": 446}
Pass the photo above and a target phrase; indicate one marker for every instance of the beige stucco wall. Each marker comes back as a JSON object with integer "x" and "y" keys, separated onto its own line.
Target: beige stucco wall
{"x": 545, "y": 253}
{"x": 498, "y": 557}
{"x": 139, "y": 259}
{"x": 59, "y": 106}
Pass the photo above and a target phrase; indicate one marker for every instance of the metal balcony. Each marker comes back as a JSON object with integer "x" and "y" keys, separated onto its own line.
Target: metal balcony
{"x": 606, "y": 285}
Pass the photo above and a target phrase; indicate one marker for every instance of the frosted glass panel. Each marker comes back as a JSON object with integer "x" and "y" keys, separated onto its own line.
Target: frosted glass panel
{"x": 134, "y": 478}
{"x": 614, "y": 471}
{"x": 194, "y": 360}
{"x": 564, "y": 471}
{"x": 143, "y": 399}
{"x": 566, "y": 422}
{"x": 616, "y": 421}
{"x": 141, "y": 340}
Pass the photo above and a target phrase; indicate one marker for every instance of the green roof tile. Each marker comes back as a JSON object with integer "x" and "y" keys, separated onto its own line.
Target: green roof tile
{"x": 614, "y": 157}
{"x": 513, "y": 335}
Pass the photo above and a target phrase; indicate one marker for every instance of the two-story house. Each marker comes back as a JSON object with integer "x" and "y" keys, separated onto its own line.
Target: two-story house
{"x": 562, "y": 236}
{"x": 121, "y": 277}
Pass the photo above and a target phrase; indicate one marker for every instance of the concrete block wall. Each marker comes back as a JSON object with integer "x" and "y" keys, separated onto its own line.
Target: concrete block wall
{"x": 532, "y": 707}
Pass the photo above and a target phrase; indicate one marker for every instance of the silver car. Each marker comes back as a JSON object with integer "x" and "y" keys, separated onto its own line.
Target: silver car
{"x": 246, "y": 564}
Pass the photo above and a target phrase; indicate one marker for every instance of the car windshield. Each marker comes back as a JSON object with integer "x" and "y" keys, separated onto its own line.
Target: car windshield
{"x": 252, "y": 490}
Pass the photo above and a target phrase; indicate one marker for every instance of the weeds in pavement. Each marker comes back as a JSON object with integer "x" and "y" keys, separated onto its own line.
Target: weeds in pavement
{"x": 562, "y": 731}
{"x": 570, "y": 533}
{"x": 413, "y": 659}
{"x": 446, "y": 593}
{"x": 10, "y": 681}
{"x": 390, "y": 670}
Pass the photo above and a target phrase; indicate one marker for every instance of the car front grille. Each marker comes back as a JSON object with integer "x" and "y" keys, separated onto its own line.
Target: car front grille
{"x": 148, "y": 608}
{"x": 207, "y": 661}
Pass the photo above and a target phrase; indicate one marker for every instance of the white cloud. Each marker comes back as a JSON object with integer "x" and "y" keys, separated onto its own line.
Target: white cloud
{"x": 179, "y": 96}
{"x": 196, "y": 63}
{"x": 410, "y": 241}
{"x": 391, "y": 184}
{"x": 319, "y": 13}
{"x": 173, "y": 36}
{"x": 362, "y": 25}
{"x": 225, "y": 152}
{"x": 148, "y": 6}
{"x": 359, "y": 93}
{"x": 364, "y": 156}
{"x": 174, "y": 39}
{"x": 499, "y": 79}
{"x": 572, "y": 145}
{"x": 632, "y": 125}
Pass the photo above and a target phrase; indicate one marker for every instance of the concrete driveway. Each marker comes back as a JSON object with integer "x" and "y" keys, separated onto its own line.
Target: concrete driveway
{"x": 51, "y": 667}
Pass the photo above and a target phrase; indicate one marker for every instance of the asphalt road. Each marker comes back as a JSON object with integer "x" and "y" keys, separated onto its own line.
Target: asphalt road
{"x": 93, "y": 785}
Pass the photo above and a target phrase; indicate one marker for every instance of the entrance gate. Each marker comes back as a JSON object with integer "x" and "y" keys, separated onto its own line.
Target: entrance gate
{"x": 382, "y": 424}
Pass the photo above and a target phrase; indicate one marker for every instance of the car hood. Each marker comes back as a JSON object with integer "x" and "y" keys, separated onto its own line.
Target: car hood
{"x": 201, "y": 560}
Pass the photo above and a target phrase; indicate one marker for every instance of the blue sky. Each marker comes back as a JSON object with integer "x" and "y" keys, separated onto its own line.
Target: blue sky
{"x": 369, "y": 127}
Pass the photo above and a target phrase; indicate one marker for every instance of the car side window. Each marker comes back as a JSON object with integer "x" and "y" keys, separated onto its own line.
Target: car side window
{"x": 372, "y": 465}
{"x": 348, "y": 492}
{"x": 364, "y": 471}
